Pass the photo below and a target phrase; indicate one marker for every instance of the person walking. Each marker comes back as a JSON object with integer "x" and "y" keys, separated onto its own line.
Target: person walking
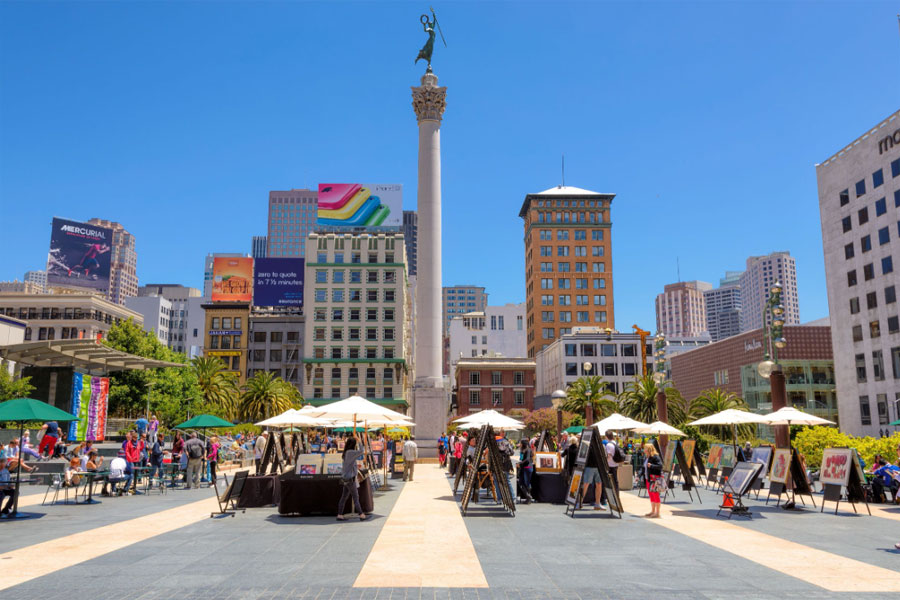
{"x": 48, "y": 442}
{"x": 195, "y": 451}
{"x": 457, "y": 453}
{"x": 156, "y": 463}
{"x": 614, "y": 457}
{"x": 654, "y": 478}
{"x": 526, "y": 468}
{"x": 506, "y": 451}
{"x": 410, "y": 454}
{"x": 258, "y": 447}
{"x": 153, "y": 428}
{"x": 442, "y": 451}
{"x": 134, "y": 448}
{"x": 212, "y": 458}
{"x": 350, "y": 485}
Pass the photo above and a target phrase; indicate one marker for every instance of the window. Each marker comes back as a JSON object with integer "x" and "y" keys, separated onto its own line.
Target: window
{"x": 387, "y": 375}
{"x": 851, "y": 278}
{"x": 580, "y": 250}
{"x": 546, "y": 267}
{"x": 371, "y": 314}
{"x": 496, "y": 397}
{"x": 259, "y": 355}
{"x": 353, "y": 334}
{"x": 599, "y": 284}
{"x": 597, "y": 251}
{"x": 519, "y": 398}
{"x": 215, "y": 323}
{"x": 600, "y": 316}
{"x": 389, "y": 295}
{"x": 860, "y": 187}
{"x": 865, "y": 243}
{"x": 608, "y": 350}
{"x": 884, "y": 236}
{"x": 371, "y": 276}
{"x": 581, "y": 284}
{"x": 546, "y": 317}
{"x": 887, "y": 265}
{"x": 519, "y": 378}
{"x": 893, "y": 324}
{"x": 547, "y": 333}
{"x": 895, "y": 361}
{"x": 857, "y": 333}
{"x": 565, "y": 300}
{"x": 877, "y": 366}
{"x": 275, "y": 355}
{"x": 371, "y": 352}
{"x": 865, "y": 417}
{"x": 881, "y": 403}
{"x": 597, "y": 235}
{"x": 880, "y": 207}
{"x": 581, "y": 267}
{"x": 260, "y": 336}
{"x": 562, "y": 234}
{"x": 321, "y": 295}
{"x": 565, "y": 317}
{"x": 572, "y": 369}
{"x": 868, "y": 272}
{"x": 546, "y": 284}
{"x": 874, "y": 329}
{"x": 371, "y": 295}
{"x": 877, "y": 179}
{"x": 863, "y": 215}
{"x": 355, "y": 296}
{"x": 337, "y": 314}
{"x": 337, "y": 334}
{"x": 475, "y": 378}
{"x": 581, "y": 300}
{"x": 474, "y": 397}
{"x": 546, "y": 250}
{"x": 371, "y": 334}
{"x": 389, "y": 334}
{"x": 321, "y": 276}
{"x": 565, "y": 284}
{"x": 496, "y": 377}
{"x": 860, "y": 368}
{"x": 895, "y": 168}
{"x": 845, "y": 197}
{"x": 890, "y": 295}
{"x": 562, "y": 250}
{"x": 571, "y": 349}
{"x": 547, "y": 300}
{"x": 354, "y": 314}
{"x": 846, "y": 225}
{"x": 871, "y": 300}
{"x": 337, "y": 277}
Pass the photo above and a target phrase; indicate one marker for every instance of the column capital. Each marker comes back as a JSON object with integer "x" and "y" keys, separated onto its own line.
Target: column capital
{"x": 429, "y": 100}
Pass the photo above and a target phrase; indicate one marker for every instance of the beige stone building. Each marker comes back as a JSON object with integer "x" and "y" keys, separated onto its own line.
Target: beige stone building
{"x": 65, "y": 316}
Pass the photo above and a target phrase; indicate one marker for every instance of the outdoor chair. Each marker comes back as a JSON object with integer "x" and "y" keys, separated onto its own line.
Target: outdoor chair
{"x": 231, "y": 495}
{"x": 158, "y": 480}
{"x": 57, "y": 484}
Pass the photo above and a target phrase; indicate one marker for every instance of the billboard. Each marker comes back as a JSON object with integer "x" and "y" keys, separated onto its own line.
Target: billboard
{"x": 90, "y": 396}
{"x": 278, "y": 282}
{"x": 232, "y": 279}
{"x": 79, "y": 255}
{"x": 356, "y": 205}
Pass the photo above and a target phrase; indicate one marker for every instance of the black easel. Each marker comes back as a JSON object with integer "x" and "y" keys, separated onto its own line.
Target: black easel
{"x": 596, "y": 457}
{"x": 487, "y": 454}
{"x": 738, "y": 507}
{"x": 688, "y": 482}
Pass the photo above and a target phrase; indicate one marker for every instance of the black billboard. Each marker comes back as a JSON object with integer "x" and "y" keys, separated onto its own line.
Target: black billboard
{"x": 79, "y": 255}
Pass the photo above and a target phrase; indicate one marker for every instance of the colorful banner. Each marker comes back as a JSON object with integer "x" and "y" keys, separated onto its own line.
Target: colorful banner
{"x": 79, "y": 255}
{"x": 360, "y": 205}
{"x": 232, "y": 279}
{"x": 278, "y": 281}
{"x": 90, "y": 397}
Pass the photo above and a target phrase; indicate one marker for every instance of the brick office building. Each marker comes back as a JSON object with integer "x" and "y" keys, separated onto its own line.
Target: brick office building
{"x": 499, "y": 383}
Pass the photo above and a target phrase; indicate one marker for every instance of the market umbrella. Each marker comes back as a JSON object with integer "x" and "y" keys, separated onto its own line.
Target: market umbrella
{"x": 204, "y": 422}
{"x": 731, "y": 417}
{"x": 791, "y": 416}
{"x": 292, "y": 417}
{"x": 574, "y": 429}
{"x": 356, "y": 408}
{"x": 617, "y": 422}
{"x": 490, "y": 417}
{"x": 21, "y": 411}
{"x": 660, "y": 428}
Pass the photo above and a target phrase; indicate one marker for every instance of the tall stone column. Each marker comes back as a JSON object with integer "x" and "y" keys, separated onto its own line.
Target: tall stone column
{"x": 430, "y": 401}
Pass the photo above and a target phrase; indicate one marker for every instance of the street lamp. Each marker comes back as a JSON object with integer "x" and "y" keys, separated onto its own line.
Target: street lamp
{"x": 769, "y": 367}
{"x": 558, "y": 398}
{"x": 659, "y": 376}
{"x": 588, "y": 407}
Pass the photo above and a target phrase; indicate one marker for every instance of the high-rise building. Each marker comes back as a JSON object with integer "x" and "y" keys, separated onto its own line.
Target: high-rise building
{"x": 39, "y": 278}
{"x": 681, "y": 308}
{"x": 259, "y": 246}
{"x": 723, "y": 307}
{"x": 123, "y": 279}
{"x": 756, "y": 283}
{"x": 495, "y": 331}
{"x": 208, "y": 269}
{"x": 292, "y": 217}
{"x": 457, "y": 300}
{"x": 157, "y": 313}
{"x": 411, "y": 235}
{"x": 568, "y": 263}
{"x": 859, "y": 194}
{"x": 181, "y": 304}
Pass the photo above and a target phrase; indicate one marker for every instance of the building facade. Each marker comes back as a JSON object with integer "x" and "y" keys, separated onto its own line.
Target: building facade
{"x": 65, "y": 316}
{"x": 39, "y": 278}
{"x": 756, "y": 282}
{"x": 123, "y": 279}
{"x": 498, "y": 383}
{"x": 276, "y": 344}
{"x": 681, "y": 308}
{"x": 293, "y": 215}
{"x": 208, "y": 269}
{"x": 225, "y": 335}
{"x": 157, "y": 314}
{"x": 357, "y": 331}
{"x": 568, "y": 263}
{"x": 258, "y": 249}
{"x": 457, "y": 300}
{"x": 859, "y": 206}
{"x": 498, "y": 331}
{"x": 411, "y": 236}
{"x": 20, "y": 287}
{"x": 184, "y": 302}
{"x": 724, "y": 307}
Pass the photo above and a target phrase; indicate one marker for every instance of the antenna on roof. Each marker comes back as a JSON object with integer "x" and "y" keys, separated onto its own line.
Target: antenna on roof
{"x": 563, "y": 170}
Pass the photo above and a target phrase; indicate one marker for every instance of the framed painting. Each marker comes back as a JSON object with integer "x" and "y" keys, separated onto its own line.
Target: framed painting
{"x": 669, "y": 458}
{"x": 688, "y": 446}
{"x": 584, "y": 447}
{"x": 377, "y": 445}
{"x": 333, "y": 464}
{"x": 781, "y": 466}
{"x": 763, "y": 456}
{"x": 546, "y": 462}
{"x": 574, "y": 486}
{"x": 714, "y": 456}
{"x": 836, "y": 465}
{"x": 727, "y": 459}
{"x": 309, "y": 464}
{"x": 743, "y": 474}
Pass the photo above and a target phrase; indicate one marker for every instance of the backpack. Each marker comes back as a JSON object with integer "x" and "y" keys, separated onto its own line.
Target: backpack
{"x": 195, "y": 451}
{"x": 618, "y": 455}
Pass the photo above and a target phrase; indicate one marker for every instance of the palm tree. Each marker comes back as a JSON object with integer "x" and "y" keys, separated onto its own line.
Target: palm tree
{"x": 577, "y": 397}
{"x": 219, "y": 386}
{"x": 638, "y": 401}
{"x": 265, "y": 395}
{"x": 714, "y": 400}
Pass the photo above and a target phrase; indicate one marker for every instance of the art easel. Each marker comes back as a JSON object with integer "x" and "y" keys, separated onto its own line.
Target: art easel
{"x": 545, "y": 440}
{"x": 266, "y": 458}
{"x": 737, "y": 507}
{"x": 668, "y": 476}
{"x": 487, "y": 454}
{"x": 855, "y": 491}
{"x": 278, "y": 459}
{"x": 688, "y": 483}
{"x": 698, "y": 466}
{"x": 797, "y": 483}
{"x": 596, "y": 457}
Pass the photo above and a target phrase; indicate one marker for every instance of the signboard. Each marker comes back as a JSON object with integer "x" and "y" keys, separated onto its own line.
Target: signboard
{"x": 278, "y": 282}
{"x": 360, "y": 205}
{"x": 836, "y": 465}
{"x": 232, "y": 279}
{"x": 223, "y": 352}
{"x": 79, "y": 255}
{"x": 90, "y": 396}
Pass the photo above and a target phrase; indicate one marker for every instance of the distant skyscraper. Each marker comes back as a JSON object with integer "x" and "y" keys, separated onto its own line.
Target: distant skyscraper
{"x": 39, "y": 278}
{"x": 208, "y": 270}
{"x": 411, "y": 237}
{"x": 123, "y": 279}
{"x": 292, "y": 217}
{"x": 723, "y": 307}
{"x": 681, "y": 309}
{"x": 459, "y": 300}
{"x": 762, "y": 272}
{"x": 259, "y": 246}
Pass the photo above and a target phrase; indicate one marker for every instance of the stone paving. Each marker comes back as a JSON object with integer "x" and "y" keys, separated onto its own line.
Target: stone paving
{"x": 541, "y": 553}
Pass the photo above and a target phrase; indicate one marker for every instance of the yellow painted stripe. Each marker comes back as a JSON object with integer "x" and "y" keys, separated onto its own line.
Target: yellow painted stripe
{"x": 403, "y": 554}
{"x": 60, "y": 553}
{"x": 823, "y": 569}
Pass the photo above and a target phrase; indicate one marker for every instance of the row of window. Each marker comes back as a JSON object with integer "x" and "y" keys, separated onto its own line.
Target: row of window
{"x": 354, "y": 333}
{"x": 276, "y": 337}
{"x": 371, "y": 374}
{"x": 275, "y": 356}
{"x": 371, "y": 392}
{"x": 887, "y": 266}
{"x": 580, "y": 300}
{"x": 564, "y": 283}
{"x": 605, "y": 350}
{"x": 881, "y": 402}
{"x": 341, "y": 295}
{"x": 577, "y": 235}
{"x": 369, "y": 352}
{"x": 865, "y": 242}
{"x": 890, "y": 297}
{"x": 548, "y": 332}
{"x": 575, "y": 250}
{"x": 225, "y": 323}
{"x": 862, "y": 215}
{"x": 53, "y": 313}
{"x": 565, "y": 316}
{"x": 496, "y": 398}
{"x": 496, "y": 378}
{"x": 565, "y": 203}
{"x": 340, "y": 276}
{"x": 353, "y": 314}
{"x": 569, "y": 217}
{"x": 291, "y": 374}
{"x": 49, "y": 333}
{"x": 877, "y": 182}
{"x": 606, "y": 369}
{"x": 224, "y": 342}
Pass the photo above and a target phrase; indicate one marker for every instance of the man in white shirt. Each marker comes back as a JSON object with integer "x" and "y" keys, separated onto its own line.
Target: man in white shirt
{"x": 116, "y": 474}
{"x": 410, "y": 454}
{"x": 610, "y": 448}
{"x": 258, "y": 448}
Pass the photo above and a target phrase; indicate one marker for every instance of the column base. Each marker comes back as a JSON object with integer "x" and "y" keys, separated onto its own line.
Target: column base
{"x": 430, "y": 414}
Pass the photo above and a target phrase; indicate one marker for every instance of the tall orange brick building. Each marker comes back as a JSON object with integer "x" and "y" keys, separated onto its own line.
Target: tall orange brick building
{"x": 568, "y": 263}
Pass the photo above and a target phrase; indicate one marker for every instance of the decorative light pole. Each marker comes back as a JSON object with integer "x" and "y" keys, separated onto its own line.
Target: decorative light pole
{"x": 557, "y": 398}
{"x": 769, "y": 367}
{"x": 659, "y": 376}
{"x": 588, "y": 407}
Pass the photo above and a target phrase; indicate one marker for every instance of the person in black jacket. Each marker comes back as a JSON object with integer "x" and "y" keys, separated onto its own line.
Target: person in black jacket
{"x": 571, "y": 455}
{"x": 526, "y": 467}
{"x": 653, "y": 475}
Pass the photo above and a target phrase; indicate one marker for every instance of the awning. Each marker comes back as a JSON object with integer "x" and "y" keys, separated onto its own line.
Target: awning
{"x": 84, "y": 355}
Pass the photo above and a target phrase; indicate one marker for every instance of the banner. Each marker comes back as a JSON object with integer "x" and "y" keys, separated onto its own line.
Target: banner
{"x": 360, "y": 205}
{"x": 278, "y": 281}
{"x": 90, "y": 396}
{"x": 79, "y": 255}
{"x": 232, "y": 279}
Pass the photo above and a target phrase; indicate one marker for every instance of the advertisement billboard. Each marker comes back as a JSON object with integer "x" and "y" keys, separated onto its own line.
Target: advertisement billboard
{"x": 232, "y": 279}
{"x": 278, "y": 282}
{"x": 360, "y": 205}
{"x": 79, "y": 255}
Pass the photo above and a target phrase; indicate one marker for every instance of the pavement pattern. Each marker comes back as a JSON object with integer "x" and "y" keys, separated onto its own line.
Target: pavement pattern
{"x": 417, "y": 545}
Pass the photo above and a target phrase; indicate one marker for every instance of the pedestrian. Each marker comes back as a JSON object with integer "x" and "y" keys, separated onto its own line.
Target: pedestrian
{"x": 145, "y": 450}
{"x": 7, "y": 490}
{"x": 141, "y": 425}
{"x": 134, "y": 448}
{"x": 193, "y": 448}
{"x": 653, "y": 476}
{"x": 571, "y": 455}
{"x": 48, "y": 442}
{"x": 526, "y": 467}
{"x": 614, "y": 457}
{"x": 177, "y": 447}
{"x": 350, "y": 485}
{"x": 442, "y": 451}
{"x": 212, "y": 459}
{"x": 258, "y": 449}
{"x": 156, "y": 463}
{"x": 153, "y": 428}
{"x": 410, "y": 454}
{"x": 457, "y": 453}
{"x": 591, "y": 477}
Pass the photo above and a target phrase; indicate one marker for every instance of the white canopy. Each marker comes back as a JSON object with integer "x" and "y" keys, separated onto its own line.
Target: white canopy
{"x": 293, "y": 417}
{"x": 617, "y": 422}
{"x": 791, "y": 416}
{"x": 730, "y": 416}
{"x": 490, "y": 417}
{"x": 659, "y": 428}
{"x": 356, "y": 408}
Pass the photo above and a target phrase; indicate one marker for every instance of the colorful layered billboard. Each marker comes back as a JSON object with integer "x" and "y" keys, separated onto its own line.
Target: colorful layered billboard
{"x": 278, "y": 281}
{"x": 79, "y": 255}
{"x": 232, "y": 279}
{"x": 360, "y": 205}
{"x": 90, "y": 396}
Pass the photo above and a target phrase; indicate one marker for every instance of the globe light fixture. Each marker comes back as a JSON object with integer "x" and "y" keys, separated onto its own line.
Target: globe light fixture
{"x": 778, "y": 310}
{"x": 659, "y": 377}
{"x": 587, "y": 367}
{"x": 765, "y": 368}
{"x": 780, "y": 342}
{"x": 557, "y": 399}
{"x": 776, "y": 288}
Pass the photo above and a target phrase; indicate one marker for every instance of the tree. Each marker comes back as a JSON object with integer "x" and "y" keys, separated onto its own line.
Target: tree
{"x": 218, "y": 386}
{"x": 577, "y": 397}
{"x": 638, "y": 401}
{"x": 13, "y": 387}
{"x": 715, "y": 400}
{"x": 545, "y": 419}
{"x": 266, "y": 395}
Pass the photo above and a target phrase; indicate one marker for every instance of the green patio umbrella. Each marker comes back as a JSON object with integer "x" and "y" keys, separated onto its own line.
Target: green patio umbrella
{"x": 897, "y": 422}
{"x": 204, "y": 422}
{"x": 347, "y": 429}
{"x": 21, "y": 411}
{"x": 574, "y": 429}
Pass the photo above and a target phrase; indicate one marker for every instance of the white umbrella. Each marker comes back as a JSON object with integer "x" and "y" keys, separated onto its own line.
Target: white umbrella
{"x": 357, "y": 409}
{"x": 730, "y": 416}
{"x": 617, "y": 422}
{"x": 293, "y": 417}
{"x": 490, "y": 417}
{"x": 660, "y": 428}
{"x": 791, "y": 416}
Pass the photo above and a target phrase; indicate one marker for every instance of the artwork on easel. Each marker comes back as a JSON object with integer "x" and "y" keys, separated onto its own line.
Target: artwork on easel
{"x": 332, "y": 464}
{"x": 781, "y": 466}
{"x": 763, "y": 456}
{"x": 486, "y": 465}
{"x": 309, "y": 464}
{"x": 595, "y": 457}
{"x": 714, "y": 457}
{"x": 268, "y": 451}
{"x": 836, "y": 466}
{"x": 278, "y": 442}
{"x": 688, "y": 447}
{"x": 681, "y": 457}
{"x": 546, "y": 462}
{"x": 574, "y": 486}
{"x": 669, "y": 458}
{"x": 727, "y": 460}
{"x": 698, "y": 463}
{"x": 842, "y": 469}
{"x": 742, "y": 477}
{"x": 584, "y": 448}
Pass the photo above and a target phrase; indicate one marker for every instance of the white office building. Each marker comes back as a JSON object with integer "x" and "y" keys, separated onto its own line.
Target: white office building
{"x": 175, "y": 304}
{"x": 497, "y": 331}
{"x": 724, "y": 307}
{"x": 38, "y": 278}
{"x": 458, "y": 300}
{"x": 157, "y": 313}
{"x": 756, "y": 283}
{"x": 859, "y": 206}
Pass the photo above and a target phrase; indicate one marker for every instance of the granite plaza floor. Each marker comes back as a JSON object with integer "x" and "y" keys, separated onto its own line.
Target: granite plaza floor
{"x": 419, "y": 546}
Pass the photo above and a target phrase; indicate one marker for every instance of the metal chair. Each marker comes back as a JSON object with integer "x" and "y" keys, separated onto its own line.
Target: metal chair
{"x": 57, "y": 483}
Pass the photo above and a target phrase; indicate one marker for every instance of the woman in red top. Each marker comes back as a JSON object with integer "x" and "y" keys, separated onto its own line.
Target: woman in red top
{"x": 133, "y": 449}
{"x": 212, "y": 457}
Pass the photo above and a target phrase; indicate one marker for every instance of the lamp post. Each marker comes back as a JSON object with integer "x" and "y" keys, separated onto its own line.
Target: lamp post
{"x": 557, "y": 398}
{"x": 588, "y": 407}
{"x": 769, "y": 367}
{"x": 659, "y": 376}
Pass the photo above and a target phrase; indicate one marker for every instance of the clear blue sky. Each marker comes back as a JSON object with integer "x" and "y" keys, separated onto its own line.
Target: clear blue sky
{"x": 706, "y": 119}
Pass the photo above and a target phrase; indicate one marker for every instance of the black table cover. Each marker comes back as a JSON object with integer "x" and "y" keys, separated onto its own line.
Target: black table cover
{"x": 260, "y": 490}
{"x": 549, "y": 487}
{"x": 319, "y": 494}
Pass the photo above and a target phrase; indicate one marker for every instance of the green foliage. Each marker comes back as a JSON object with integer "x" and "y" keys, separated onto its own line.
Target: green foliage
{"x": 600, "y": 397}
{"x": 703, "y": 439}
{"x": 638, "y": 401}
{"x": 545, "y": 418}
{"x": 716, "y": 400}
{"x": 13, "y": 387}
{"x": 811, "y": 441}
{"x": 266, "y": 395}
{"x": 218, "y": 386}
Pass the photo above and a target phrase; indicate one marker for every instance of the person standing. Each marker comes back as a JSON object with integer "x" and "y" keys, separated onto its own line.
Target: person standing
{"x": 212, "y": 459}
{"x": 153, "y": 428}
{"x": 156, "y": 463}
{"x": 526, "y": 467}
{"x": 613, "y": 458}
{"x": 442, "y": 451}
{"x": 457, "y": 453}
{"x": 350, "y": 485}
{"x": 194, "y": 450}
{"x": 48, "y": 442}
{"x": 7, "y": 490}
{"x": 410, "y": 454}
{"x": 258, "y": 448}
{"x": 506, "y": 452}
{"x": 134, "y": 448}
{"x": 177, "y": 447}
{"x": 141, "y": 426}
{"x": 654, "y": 478}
